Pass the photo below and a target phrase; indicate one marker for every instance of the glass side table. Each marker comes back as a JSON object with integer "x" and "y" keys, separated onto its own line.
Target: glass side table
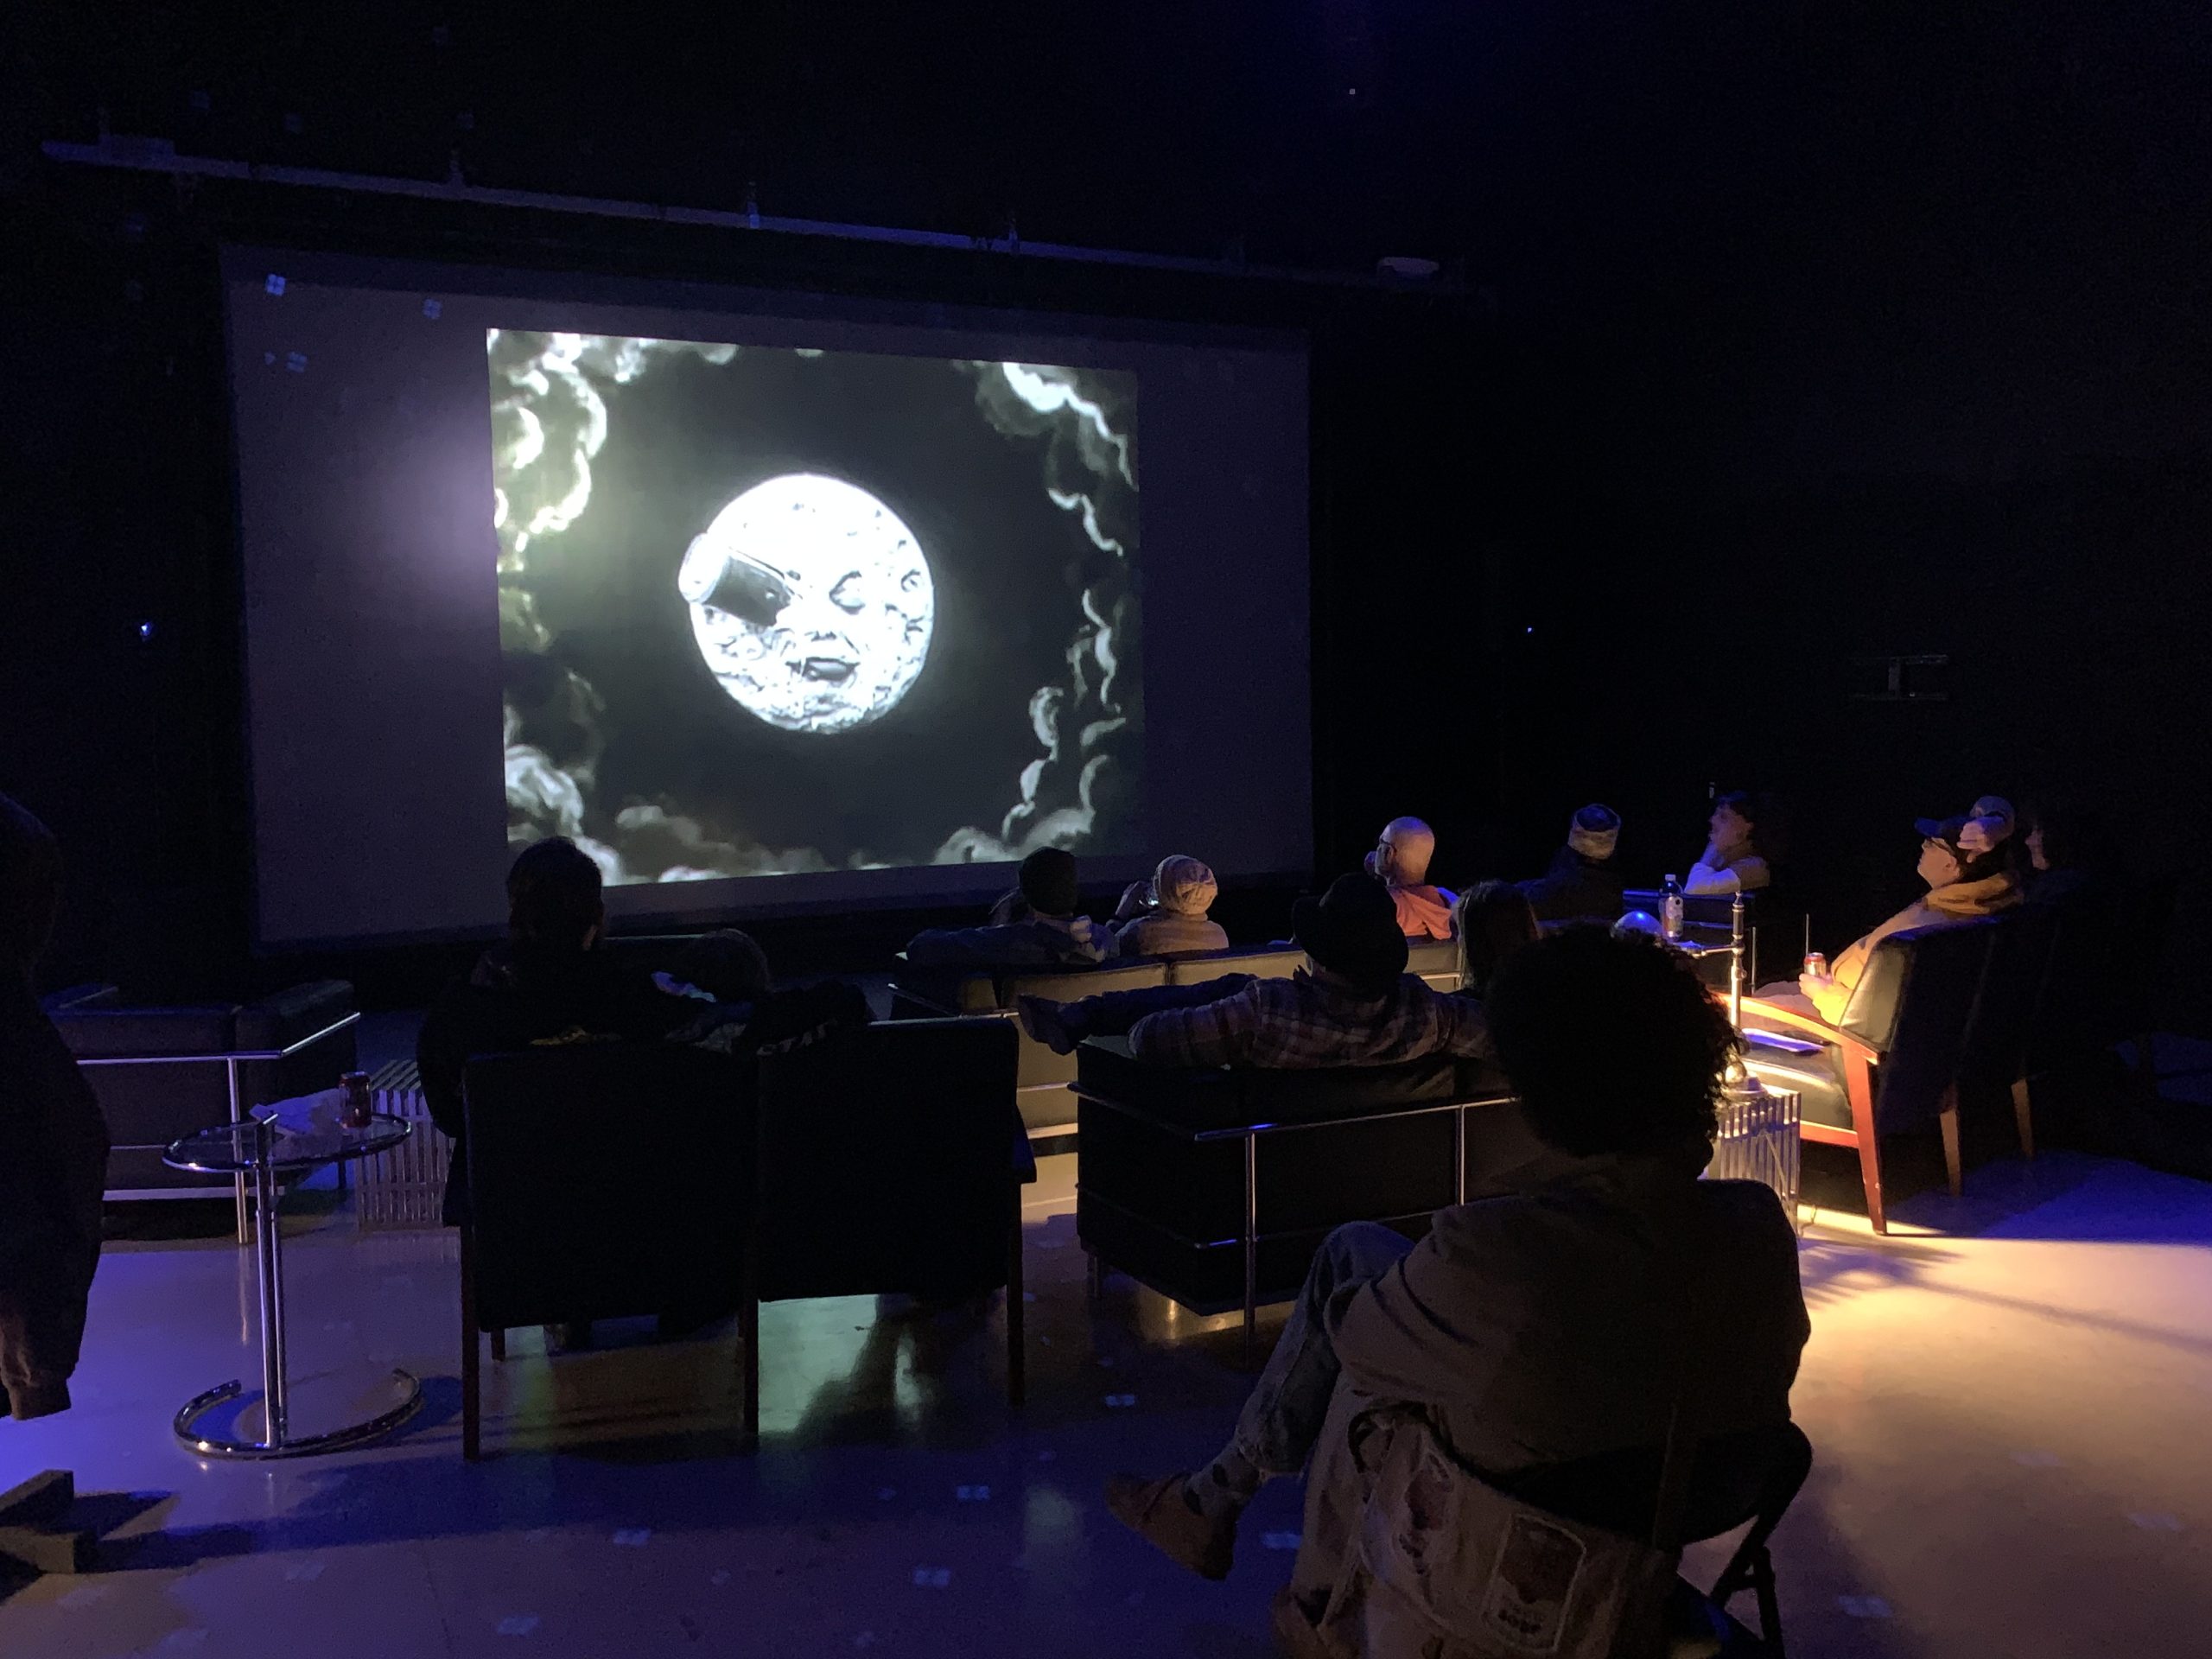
{"x": 260, "y": 1152}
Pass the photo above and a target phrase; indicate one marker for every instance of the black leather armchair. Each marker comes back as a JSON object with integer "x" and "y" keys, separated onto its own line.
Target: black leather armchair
{"x": 1891, "y": 1062}
{"x": 2015, "y": 996}
{"x": 1215, "y": 1185}
{"x": 163, "y": 1072}
{"x": 619, "y": 1179}
{"x": 1045, "y": 1081}
{"x": 905, "y": 1125}
{"x": 604, "y": 1180}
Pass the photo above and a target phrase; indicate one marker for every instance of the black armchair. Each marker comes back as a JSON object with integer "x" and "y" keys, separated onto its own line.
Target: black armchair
{"x": 2015, "y": 996}
{"x": 907, "y": 1125}
{"x": 163, "y": 1072}
{"x": 616, "y": 1179}
{"x": 604, "y": 1180}
{"x": 1891, "y": 1062}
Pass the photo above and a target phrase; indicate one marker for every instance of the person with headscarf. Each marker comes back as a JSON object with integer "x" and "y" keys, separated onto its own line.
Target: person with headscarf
{"x": 1400, "y": 861}
{"x": 1583, "y": 883}
{"x": 54, "y": 1144}
{"x": 1167, "y": 916}
{"x": 1967, "y": 862}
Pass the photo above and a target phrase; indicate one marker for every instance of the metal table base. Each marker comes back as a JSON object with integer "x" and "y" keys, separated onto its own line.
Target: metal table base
{"x": 278, "y": 1441}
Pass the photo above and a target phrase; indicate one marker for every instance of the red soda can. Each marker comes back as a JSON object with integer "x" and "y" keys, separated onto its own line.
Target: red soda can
{"x": 1816, "y": 965}
{"x": 354, "y": 1107}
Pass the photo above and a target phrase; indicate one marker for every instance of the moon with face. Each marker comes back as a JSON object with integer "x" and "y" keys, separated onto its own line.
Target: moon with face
{"x": 811, "y": 603}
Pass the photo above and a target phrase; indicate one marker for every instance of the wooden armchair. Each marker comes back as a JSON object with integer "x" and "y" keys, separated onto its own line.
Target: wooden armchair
{"x": 1892, "y": 1062}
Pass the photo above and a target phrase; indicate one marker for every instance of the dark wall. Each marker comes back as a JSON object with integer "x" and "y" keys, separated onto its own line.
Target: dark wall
{"x": 1791, "y": 336}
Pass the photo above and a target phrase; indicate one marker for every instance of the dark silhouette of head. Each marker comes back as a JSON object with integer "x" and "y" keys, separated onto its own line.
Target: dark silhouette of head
{"x": 1764, "y": 819}
{"x": 1048, "y": 882}
{"x": 1611, "y": 1042}
{"x": 728, "y": 965}
{"x": 1494, "y": 919}
{"x": 553, "y": 903}
{"x": 1352, "y": 932}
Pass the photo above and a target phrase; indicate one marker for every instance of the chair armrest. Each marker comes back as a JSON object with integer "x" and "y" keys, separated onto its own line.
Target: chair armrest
{"x": 1813, "y": 1026}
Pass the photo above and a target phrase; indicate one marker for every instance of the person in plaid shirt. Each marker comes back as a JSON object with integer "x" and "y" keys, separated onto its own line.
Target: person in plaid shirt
{"x": 1355, "y": 1005}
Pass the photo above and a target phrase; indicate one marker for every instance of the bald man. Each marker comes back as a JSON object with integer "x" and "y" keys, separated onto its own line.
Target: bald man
{"x": 1400, "y": 861}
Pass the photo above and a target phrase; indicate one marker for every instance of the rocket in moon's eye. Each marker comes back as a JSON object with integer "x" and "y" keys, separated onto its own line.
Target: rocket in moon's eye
{"x": 731, "y": 582}
{"x": 810, "y": 602}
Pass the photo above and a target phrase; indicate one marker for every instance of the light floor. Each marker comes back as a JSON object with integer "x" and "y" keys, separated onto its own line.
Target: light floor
{"x": 2008, "y": 1399}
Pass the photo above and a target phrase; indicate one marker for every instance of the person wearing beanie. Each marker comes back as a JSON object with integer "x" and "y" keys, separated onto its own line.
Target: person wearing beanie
{"x": 55, "y": 1164}
{"x": 1583, "y": 883}
{"x": 1353, "y": 1004}
{"x": 1400, "y": 861}
{"x": 1045, "y": 931}
{"x": 1167, "y": 916}
{"x": 1967, "y": 862}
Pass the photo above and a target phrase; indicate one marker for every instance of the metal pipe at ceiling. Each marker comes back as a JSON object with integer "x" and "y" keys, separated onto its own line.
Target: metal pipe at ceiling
{"x": 138, "y": 153}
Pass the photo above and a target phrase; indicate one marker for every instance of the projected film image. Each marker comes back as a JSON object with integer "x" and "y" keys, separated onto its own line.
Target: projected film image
{"x": 765, "y": 611}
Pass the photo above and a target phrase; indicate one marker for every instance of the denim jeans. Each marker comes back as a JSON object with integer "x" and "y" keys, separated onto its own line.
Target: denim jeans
{"x": 1113, "y": 1012}
{"x": 1280, "y": 1421}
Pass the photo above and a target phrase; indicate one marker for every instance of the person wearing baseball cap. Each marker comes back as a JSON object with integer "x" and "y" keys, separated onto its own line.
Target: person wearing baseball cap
{"x": 1967, "y": 862}
{"x": 1584, "y": 883}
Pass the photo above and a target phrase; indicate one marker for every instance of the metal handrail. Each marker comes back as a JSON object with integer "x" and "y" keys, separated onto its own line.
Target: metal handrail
{"x": 233, "y": 1055}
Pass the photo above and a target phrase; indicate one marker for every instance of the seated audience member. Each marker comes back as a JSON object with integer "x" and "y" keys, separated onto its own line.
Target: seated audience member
{"x": 1540, "y": 1322}
{"x": 55, "y": 1140}
{"x": 739, "y": 1011}
{"x": 1492, "y": 921}
{"x": 1353, "y": 1005}
{"x": 1052, "y": 935}
{"x": 1966, "y": 862}
{"x": 1746, "y": 839}
{"x": 2068, "y": 857}
{"x": 1400, "y": 861}
{"x": 1583, "y": 884}
{"x": 1167, "y": 916}
{"x": 548, "y": 981}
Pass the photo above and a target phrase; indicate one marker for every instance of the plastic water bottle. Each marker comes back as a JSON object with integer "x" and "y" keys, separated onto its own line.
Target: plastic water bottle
{"x": 1670, "y": 910}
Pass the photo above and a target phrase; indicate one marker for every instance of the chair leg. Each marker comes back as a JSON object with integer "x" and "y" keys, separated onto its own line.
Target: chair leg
{"x": 1948, "y": 1120}
{"x": 499, "y": 1346}
{"x": 1017, "y": 1380}
{"x": 1859, "y": 1086}
{"x": 2023, "y": 1116}
{"x": 1094, "y": 1275}
{"x": 1870, "y": 1173}
{"x": 1769, "y": 1603}
{"x": 472, "y": 1403}
{"x": 748, "y": 1334}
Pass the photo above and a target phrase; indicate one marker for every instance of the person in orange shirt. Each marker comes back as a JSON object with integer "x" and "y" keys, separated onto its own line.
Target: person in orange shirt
{"x": 1400, "y": 861}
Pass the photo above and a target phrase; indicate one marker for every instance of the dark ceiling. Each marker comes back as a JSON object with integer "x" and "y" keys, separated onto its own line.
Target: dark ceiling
{"x": 1525, "y": 137}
